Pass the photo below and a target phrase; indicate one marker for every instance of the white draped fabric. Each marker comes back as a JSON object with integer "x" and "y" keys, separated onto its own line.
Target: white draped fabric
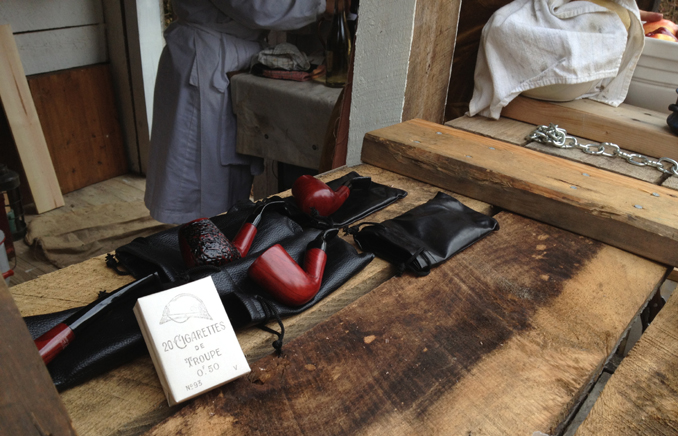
{"x": 529, "y": 44}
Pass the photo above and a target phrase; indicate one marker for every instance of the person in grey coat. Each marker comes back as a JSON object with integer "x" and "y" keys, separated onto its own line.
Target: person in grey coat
{"x": 193, "y": 168}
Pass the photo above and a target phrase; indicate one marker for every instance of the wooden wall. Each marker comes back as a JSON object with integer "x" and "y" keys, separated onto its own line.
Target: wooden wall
{"x": 64, "y": 47}
{"x": 55, "y": 35}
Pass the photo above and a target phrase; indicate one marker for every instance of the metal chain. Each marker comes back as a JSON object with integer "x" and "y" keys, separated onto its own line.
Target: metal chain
{"x": 557, "y": 137}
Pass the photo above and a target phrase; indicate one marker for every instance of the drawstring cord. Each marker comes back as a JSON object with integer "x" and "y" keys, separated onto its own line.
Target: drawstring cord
{"x": 113, "y": 263}
{"x": 355, "y": 229}
{"x": 269, "y": 310}
{"x": 408, "y": 264}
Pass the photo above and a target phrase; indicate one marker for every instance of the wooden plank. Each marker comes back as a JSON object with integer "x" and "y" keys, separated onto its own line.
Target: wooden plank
{"x": 671, "y": 182}
{"x": 403, "y": 59}
{"x": 515, "y": 132}
{"x": 640, "y": 398}
{"x": 430, "y": 66}
{"x": 79, "y": 119}
{"x": 143, "y": 26}
{"x": 628, "y": 126}
{"x": 117, "y": 54}
{"x": 615, "y": 209}
{"x": 23, "y": 120}
{"x": 58, "y": 49}
{"x": 266, "y": 183}
{"x": 503, "y": 339}
{"x": 32, "y": 15}
{"x": 130, "y": 397}
{"x": 29, "y": 403}
{"x": 382, "y": 55}
{"x": 504, "y": 129}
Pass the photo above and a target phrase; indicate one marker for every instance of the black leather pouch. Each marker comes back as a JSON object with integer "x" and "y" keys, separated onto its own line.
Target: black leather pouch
{"x": 115, "y": 338}
{"x": 160, "y": 252}
{"x": 425, "y": 236}
{"x": 366, "y": 198}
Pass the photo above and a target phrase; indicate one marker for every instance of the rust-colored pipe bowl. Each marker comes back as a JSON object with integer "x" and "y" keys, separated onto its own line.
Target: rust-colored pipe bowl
{"x": 315, "y": 197}
{"x": 284, "y": 279}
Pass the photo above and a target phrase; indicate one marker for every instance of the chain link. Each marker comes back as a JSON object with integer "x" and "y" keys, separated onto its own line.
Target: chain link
{"x": 557, "y": 137}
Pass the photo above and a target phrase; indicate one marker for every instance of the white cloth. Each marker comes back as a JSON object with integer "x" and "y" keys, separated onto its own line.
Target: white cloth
{"x": 193, "y": 168}
{"x": 528, "y": 44}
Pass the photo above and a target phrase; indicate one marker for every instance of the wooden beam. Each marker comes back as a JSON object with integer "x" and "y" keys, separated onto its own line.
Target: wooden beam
{"x": 29, "y": 403}
{"x": 504, "y": 338}
{"x": 143, "y": 24}
{"x": 630, "y": 127}
{"x": 430, "y": 66}
{"x": 627, "y": 213}
{"x": 403, "y": 61}
{"x": 117, "y": 54}
{"x": 23, "y": 120}
{"x": 640, "y": 397}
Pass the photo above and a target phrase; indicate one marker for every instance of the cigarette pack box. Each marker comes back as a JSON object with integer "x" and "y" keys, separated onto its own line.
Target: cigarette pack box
{"x": 190, "y": 339}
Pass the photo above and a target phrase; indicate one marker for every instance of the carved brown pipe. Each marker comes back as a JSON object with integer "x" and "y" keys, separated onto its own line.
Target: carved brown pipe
{"x": 202, "y": 243}
{"x": 284, "y": 279}
{"x": 315, "y": 197}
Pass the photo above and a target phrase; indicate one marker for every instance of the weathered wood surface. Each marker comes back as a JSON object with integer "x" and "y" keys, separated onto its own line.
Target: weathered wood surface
{"x": 143, "y": 28}
{"x": 430, "y": 66}
{"x": 504, "y": 129}
{"x": 641, "y": 398}
{"x": 632, "y": 128}
{"x": 515, "y": 132}
{"x": 32, "y": 15}
{"x": 29, "y": 403}
{"x": 119, "y": 64}
{"x": 382, "y": 59}
{"x": 503, "y": 339}
{"x": 79, "y": 119}
{"x": 671, "y": 182}
{"x": 129, "y": 400}
{"x": 58, "y": 49}
{"x": 25, "y": 125}
{"x": 626, "y": 213}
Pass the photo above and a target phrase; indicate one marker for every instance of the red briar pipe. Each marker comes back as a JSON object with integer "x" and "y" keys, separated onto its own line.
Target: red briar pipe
{"x": 202, "y": 243}
{"x": 284, "y": 279}
{"x": 313, "y": 196}
{"x": 57, "y": 339}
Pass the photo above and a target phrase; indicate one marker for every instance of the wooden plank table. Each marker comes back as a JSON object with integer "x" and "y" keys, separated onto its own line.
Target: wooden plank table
{"x": 129, "y": 399}
{"x": 505, "y": 338}
{"x": 641, "y": 397}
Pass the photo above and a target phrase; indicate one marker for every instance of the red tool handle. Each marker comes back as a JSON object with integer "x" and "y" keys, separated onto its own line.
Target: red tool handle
{"x": 54, "y": 341}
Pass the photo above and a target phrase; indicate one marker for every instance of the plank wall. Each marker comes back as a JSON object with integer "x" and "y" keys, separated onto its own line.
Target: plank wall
{"x": 54, "y": 36}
